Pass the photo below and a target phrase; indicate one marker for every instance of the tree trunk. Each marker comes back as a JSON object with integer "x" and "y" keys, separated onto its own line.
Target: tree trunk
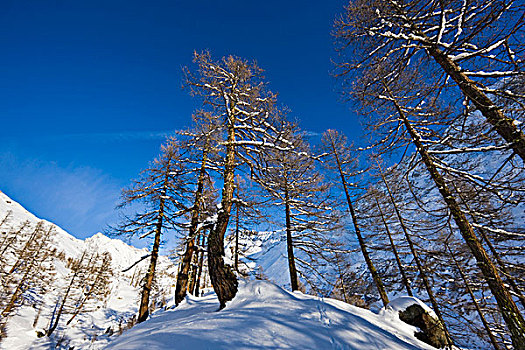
{"x": 510, "y": 312}
{"x": 86, "y": 296}
{"x": 193, "y": 273}
{"x": 182, "y": 276}
{"x": 503, "y": 268}
{"x": 222, "y": 278}
{"x": 199, "y": 271}
{"x": 404, "y": 278}
{"x": 294, "y": 283}
{"x": 341, "y": 278}
{"x": 373, "y": 271}
{"x": 476, "y": 304}
{"x": 54, "y": 322}
{"x": 28, "y": 270}
{"x": 499, "y": 261}
{"x": 237, "y": 237}
{"x": 503, "y": 125}
{"x": 23, "y": 252}
{"x": 144, "y": 301}
{"x": 8, "y": 241}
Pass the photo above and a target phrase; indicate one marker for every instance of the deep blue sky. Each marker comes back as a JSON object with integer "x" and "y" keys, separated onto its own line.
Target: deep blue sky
{"x": 88, "y": 89}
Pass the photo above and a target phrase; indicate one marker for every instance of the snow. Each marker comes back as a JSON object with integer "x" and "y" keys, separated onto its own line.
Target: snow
{"x": 87, "y": 330}
{"x": 265, "y": 316}
{"x": 402, "y": 303}
{"x": 69, "y": 244}
{"x": 261, "y": 316}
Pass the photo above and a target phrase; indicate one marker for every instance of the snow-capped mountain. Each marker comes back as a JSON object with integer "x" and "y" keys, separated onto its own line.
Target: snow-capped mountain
{"x": 90, "y": 328}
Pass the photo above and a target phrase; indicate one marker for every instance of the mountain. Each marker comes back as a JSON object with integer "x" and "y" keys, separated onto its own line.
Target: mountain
{"x": 112, "y": 313}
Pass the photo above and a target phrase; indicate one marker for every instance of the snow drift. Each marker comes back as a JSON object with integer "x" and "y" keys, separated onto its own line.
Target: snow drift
{"x": 265, "y": 316}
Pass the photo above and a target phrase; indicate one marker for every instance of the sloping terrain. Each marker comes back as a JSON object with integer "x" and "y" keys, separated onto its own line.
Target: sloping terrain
{"x": 112, "y": 313}
{"x": 265, "y": 316}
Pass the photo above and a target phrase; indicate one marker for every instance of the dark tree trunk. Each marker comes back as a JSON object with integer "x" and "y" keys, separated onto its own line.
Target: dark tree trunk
{"x": 182, "y": 277}
{"x": 222, "y": 278}
{"x": 503, "y": 268}
{"x": 510, "y": 312}
{"x": 373, "y": 271}
{"x": 404, "y": 278}
{"x": 199, "y": 271}
{"x": 422, "y": 272}
{"x": 499, "y": 261}
{"x": 237, "y": 237}
{"x": 503, "y": 125}
{"x": 294, "y": 282}
{"x": 193, "y": 273}
{"x": 148, "y": 283}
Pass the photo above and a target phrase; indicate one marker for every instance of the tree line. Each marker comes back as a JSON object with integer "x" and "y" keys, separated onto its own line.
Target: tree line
{"x": 28, "y": 274}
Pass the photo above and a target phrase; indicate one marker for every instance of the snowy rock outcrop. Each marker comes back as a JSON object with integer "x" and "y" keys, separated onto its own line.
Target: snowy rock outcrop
{"x": 414, "y": 312}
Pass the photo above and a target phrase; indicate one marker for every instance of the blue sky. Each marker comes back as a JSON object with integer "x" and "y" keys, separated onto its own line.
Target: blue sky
{"x": 89, "y": 89}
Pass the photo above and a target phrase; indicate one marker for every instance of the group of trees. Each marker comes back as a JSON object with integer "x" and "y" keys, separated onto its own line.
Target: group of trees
{"x": 442, "y": 83}
{"x": 28, "y": 259}
{"x": 87, "y": 282}
{"x": 241, "y": 140}
{"x": 433, "y": 204}
{"x": 25, "y": 265}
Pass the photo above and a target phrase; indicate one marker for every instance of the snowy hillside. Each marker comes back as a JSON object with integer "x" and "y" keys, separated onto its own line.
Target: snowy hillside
{"x": 112, "y": 313}
{"x": 264, "y": 316}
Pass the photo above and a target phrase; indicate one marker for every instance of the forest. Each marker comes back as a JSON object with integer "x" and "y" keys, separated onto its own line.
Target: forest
{"x": 428, "y": 203}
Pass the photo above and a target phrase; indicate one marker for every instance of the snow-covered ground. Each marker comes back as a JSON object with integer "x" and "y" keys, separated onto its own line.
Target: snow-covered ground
{"x": 265, "y": 316}
{"x": 87, "y": 331}
{"x": 261, "y": 316}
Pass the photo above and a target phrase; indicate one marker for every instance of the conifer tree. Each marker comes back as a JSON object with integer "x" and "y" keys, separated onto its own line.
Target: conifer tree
{"x": 297, "y": 187}
{"x": 27, "y": 266}
{"x": 201, "y": 142}
{"x": 88, "y": 281}
{"x": 234, "y": 90}
{"x": 161, "y": 189}
{"x": 338, "y": 159}
{"x": 477, "y": 44}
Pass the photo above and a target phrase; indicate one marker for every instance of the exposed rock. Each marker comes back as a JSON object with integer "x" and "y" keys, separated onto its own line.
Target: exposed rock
{"x": 431, "y": 330}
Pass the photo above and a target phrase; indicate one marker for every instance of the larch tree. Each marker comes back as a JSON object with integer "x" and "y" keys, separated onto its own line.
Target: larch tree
{"x": 163, "y": 195}
{"x": 476, "y": 44}
{"x": 27, "y": 266}
{"x": 95, "y": 285}
{"x": 338, "y": 158}
{"x": 293, "y": 180}
{"x": 412, "y": 117}
{"x": 419, "y": 263}
{"x": 234, "y": 90}
{"x": 248, "y": 204}
{"x": 88, "y": 281}
{"x": 201, "y": 144}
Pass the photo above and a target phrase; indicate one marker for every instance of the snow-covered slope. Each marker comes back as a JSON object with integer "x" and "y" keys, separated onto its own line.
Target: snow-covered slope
{"x": 64, "y": 241}
{"x": 264, "y": 316}
{"x": 114, "y": 312}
